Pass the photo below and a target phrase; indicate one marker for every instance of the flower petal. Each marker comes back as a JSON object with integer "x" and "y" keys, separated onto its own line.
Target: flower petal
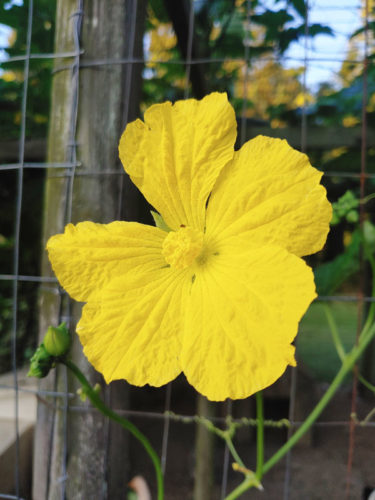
{"x": 132, "y": 331}
{"x": 271, "y": 193}
{"x": 241, "y": 318}
{"x": 87, "y": 256}
{"x": 175, "y": 157}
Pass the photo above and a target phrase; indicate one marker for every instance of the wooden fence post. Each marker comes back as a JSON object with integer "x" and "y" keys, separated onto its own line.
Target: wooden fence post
{"x": 78, "y": 454}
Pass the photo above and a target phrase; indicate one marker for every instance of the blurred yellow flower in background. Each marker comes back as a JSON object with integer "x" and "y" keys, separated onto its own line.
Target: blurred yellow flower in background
{"x": 350, "y": 121}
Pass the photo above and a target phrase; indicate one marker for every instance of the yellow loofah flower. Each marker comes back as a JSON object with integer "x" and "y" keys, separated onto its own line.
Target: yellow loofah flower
{"x": 218, "y": 292}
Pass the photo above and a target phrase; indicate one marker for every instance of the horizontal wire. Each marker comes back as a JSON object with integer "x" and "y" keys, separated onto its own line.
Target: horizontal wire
{"x": 353, "y": 175}
{"x": 36, "y": 279}
{"x": 10, "y": 497}
{"x": 133, "y": 60}
{"x": 51, "y": 279}
{"x": 16, "y": 166}
{"x": 39, "y": 392}
{"x": 87, "y": 173}
{"x": 315, "y": 8}
{"x": 137, "y": 60}
{"x": 344, "y": 298}
{"x": 177, "y": 417}
{"x": 349, "y": 174}
{"x": 23, "y": 57}
{"x": 192, "y": 418}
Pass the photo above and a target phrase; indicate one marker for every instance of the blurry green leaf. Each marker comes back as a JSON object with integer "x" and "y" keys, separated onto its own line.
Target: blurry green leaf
{"x": 371, "y": 26}
{"x": 330, "y": 275}
{"x": 158, "y": 9}
{"x": 319, "y": 29}
{"x": 352, "y": 216}
{"x": 369, "y": 234}
{"x": 300, "y": 6}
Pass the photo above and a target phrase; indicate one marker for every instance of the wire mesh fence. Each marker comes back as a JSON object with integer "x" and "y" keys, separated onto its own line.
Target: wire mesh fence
{"x": 110, "y": 62}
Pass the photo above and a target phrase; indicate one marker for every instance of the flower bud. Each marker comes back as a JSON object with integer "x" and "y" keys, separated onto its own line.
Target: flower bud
{"x": 57, "y": 340}
{"x": 40, "y": 363}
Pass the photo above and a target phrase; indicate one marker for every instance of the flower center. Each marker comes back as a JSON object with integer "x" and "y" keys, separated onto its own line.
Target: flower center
{"x": 181, "y": 247}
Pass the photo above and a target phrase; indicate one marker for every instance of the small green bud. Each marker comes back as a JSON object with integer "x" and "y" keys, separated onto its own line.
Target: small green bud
{"x": 40, "y": 363}
{"x": 57, "y": 340}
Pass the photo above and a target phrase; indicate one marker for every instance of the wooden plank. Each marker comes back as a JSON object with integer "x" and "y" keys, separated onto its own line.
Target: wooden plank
{"x": 318, "y": 138}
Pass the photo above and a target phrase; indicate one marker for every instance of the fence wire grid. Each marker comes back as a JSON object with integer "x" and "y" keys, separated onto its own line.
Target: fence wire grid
{"x": 70, "y": 170}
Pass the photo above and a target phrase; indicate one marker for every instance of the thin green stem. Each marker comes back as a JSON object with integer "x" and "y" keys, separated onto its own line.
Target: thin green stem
{"x": 371, "y": 311}
{"x": 248, "y": 482}
{"x": 335, "y": 333}
{"x": 260, "y": 434}
{"x": 367, "y": 198}
{"x": 105, "y": 410}
{"x": 366, "y": 383}
{"x": 340, "y": 348}
{"x": 347, "y": 365}
{"x": 233, "y": 450}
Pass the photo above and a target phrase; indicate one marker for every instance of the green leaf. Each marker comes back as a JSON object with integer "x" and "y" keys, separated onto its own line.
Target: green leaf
{"x": 299, "y": 6}
{"x": 330, "y": 275}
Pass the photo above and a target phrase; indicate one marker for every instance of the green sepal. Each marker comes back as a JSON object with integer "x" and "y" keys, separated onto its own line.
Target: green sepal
{"x": 159, "y": 221}
{"x": 40, "y": 363}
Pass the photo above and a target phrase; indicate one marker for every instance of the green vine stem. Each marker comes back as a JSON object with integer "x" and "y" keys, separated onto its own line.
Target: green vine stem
{"x": 334, "y": 332}
{"x": 371, "y": 311}
{"x": 347, "y": 365}
{"x": 103, "y": 408}
{"x": 339, "y": 346}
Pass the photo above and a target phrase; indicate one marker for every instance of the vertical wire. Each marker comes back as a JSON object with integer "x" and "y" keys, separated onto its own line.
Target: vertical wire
{"x": 224, "y": 481}
{"x": 304, "y": 79}
{"x": 16, "y": 253}
{"x": 294, "y": 373}
{"x": 128, "y": 86}
{"x": 288, "y": 458}
{"x": 168, "y": 393}
{"x": 361, "y": 220}
{"x": 125, "y": 119}
{"x": 71, "y": 157}
{"x": 72, "y": 145}
{"x": 246, "y": 76}
{"x": 166, "y": 426}
{"x": 189, "y": 51}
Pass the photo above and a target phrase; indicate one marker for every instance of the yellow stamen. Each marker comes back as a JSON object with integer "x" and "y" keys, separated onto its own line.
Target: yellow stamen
{"x": 180, "y": 248}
